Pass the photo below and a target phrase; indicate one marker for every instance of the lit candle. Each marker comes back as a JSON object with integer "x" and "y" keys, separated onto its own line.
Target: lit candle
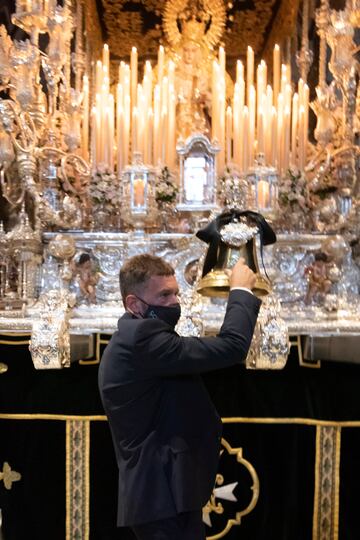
{"x": 106, "y": 57}
{"x": 260, "y": 132}
{"x": 301, "y": 138}
{"x": 252, "y": 107}
{"x": 264, "y": 73}
{"x": 268, "y": 122}
{"x": 111, "y": 114}
{"x": 121, "y": 72}
{"x": 164, "y": 130}
{"x": 139, "y": 192}
{"x": 286, "y": 138}
{"x": 284, "y": 80}
{"x": 274, "y": 151}
{"x": 85, "y": 119}
{"x": 157, "y": 126}
{"x": 236, "y": 126}
{"x": 301, "y": 92}
{"x": 280, "y": 114}
{"x": 276, "y": 72}
{"x": 99, "y": 138}
{"x": 98, "y": 77}
{"x": 119, "y": 134}
{"x": 245, "y": 146}
{"x": 228, "y": 134}
{"x": 221, "y": 119}
{"x": 306, "y": 119}
{"x": 134, "y": 130}
{"x": 249, "y": 72}
{"x": 126, "y": 145}
{"x": 263, "y": 192}
{"x": 140, "y": 122}
{"x": 150, "y": 158}
{"x": 294, "y": 127}
{"x": 171, "y": 128}
{"x": 160, "y": 73}
{"x": 94, "y": 156}
{"x": 214, "y": 108}
{"x": 134, "y": 76}
{"x": 260, "y": 86}
{"x": 239, "y": 71}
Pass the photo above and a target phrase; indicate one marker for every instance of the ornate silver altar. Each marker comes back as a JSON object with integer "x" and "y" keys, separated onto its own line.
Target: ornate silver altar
{"x": 287, "y": 264}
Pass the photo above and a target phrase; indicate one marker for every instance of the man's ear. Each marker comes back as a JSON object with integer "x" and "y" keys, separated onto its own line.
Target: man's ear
{"x": 133, "y": 305}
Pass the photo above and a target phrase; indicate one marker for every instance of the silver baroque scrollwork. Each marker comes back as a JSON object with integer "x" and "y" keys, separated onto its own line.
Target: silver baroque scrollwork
{"x": 50, "y": 338}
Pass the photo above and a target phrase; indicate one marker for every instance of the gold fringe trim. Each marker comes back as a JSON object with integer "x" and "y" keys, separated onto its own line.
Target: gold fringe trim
{"x": 226, "y": 420}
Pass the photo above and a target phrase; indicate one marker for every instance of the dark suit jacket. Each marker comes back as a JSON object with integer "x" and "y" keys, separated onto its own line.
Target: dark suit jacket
{"x": 166, "y": 431}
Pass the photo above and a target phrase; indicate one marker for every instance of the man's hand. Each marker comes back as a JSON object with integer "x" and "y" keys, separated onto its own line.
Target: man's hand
{"x": 241, "y": 275}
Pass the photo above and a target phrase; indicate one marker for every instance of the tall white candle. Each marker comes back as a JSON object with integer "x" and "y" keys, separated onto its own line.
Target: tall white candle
{"x": 134, "y": 75}
{"x": 134, "y": 130}
{"x": 260, "y": 132}
{"x": 214, "y": 107}
{"x": 157, "y": 126}
{"x": 239, "y": 71}
{"x": 98, "y": 77}
{"x": 245, "y": 146}
{"x": 222, "y": 104}
{"x": 119, "y": 135}
{"x": 237, "y": 112}
{"x": 127, "y": 114}
{"x": 294, "y": 128}
{"x": 85, "y": 119}
{"x": 306, "y": 120}
{"x": 276, "y": 72}
{"x": 280, "y": 134}
{"x": 268, "y": 122}
{"x": 301, "y": 138}
{"x": 171, "y": 128}
{"x": 160, "y": 73}
{"x": 228, "y": 134}
{"x": 274, "y": 150}
{"x": 249, "y": 72}
{"x": 150, "y": 158}
{"x": 111, "y": 113}
{"x": 286, "y": 154}
{"x": 106, "y": 57}
{"x": 121, "y": 72}
{"x": 94, "y": 156}
{"x": 252, "y": 108}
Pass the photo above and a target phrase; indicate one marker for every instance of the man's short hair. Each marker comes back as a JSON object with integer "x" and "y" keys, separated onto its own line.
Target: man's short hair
{"x": 136, "y": 271}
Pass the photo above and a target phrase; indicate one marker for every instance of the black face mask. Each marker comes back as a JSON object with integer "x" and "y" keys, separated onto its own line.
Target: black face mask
{"x": 168, "y": 314}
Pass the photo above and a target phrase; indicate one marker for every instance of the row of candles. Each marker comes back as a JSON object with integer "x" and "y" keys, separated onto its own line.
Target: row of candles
{"x": 144, "y": 120}
{"x": 271, "y": 121}
{"x": 266, "y": 120}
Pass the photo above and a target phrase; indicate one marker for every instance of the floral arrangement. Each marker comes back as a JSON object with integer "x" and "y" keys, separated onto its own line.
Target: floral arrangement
{"x": 293, "y": 192}
{"x": 233, "y": 188}
{"x": 166, "y": 186}
{"x": 104, "y": 189}
{"x": 294, "y": 202}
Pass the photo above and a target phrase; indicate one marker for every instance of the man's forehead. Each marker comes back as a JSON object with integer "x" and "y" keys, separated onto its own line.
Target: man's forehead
{"x": 161, "y": 282}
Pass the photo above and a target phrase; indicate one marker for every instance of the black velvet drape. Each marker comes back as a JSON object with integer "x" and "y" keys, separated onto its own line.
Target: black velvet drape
{"x": 282, "y": 454}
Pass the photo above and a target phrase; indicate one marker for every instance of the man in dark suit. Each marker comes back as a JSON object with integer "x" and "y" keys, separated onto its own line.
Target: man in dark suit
{"x": 166, "y": 431}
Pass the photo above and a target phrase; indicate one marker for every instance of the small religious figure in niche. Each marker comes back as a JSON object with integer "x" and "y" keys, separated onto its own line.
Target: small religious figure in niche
{"x": 87, "y": 277}
{"x": 317, "y": 275}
